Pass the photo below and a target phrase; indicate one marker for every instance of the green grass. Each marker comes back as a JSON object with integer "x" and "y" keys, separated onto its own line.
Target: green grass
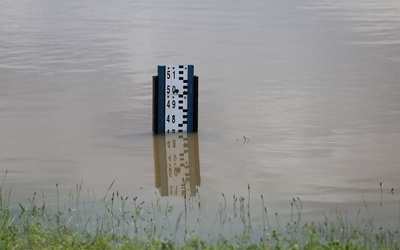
{"x": 119, "y": 222}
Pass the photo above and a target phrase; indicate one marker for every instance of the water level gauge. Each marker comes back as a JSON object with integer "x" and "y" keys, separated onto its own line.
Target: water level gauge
{"x": 175, "y": 99}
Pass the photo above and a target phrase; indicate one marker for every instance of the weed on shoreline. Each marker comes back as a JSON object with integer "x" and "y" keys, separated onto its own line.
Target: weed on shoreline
{"x": 123, "y": 222}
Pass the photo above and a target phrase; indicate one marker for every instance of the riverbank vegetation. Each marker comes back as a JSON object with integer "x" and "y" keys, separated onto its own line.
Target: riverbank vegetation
{"x": 121, "y": 222}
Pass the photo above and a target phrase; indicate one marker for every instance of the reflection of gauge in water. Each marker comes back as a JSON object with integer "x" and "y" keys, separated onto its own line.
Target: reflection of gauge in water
{"x": 177, "y": 154}
{"x": 176, "y": 163}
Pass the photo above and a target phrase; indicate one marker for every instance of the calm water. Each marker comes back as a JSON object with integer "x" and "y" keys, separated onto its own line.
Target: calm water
{"x": 297, "y": 99}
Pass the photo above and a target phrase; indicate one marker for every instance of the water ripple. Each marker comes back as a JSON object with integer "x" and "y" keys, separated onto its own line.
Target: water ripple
{"x": 378, "y": 21}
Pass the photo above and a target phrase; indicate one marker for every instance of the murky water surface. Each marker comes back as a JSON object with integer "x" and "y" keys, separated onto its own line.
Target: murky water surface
{"x": 296, "y": 98}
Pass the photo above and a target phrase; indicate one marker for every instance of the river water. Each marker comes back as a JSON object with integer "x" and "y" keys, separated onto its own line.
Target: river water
{"x": 296, "y": 99}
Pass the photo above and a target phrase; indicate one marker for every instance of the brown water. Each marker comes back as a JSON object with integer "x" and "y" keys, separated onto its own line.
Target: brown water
{"x": 297, "y": 99}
